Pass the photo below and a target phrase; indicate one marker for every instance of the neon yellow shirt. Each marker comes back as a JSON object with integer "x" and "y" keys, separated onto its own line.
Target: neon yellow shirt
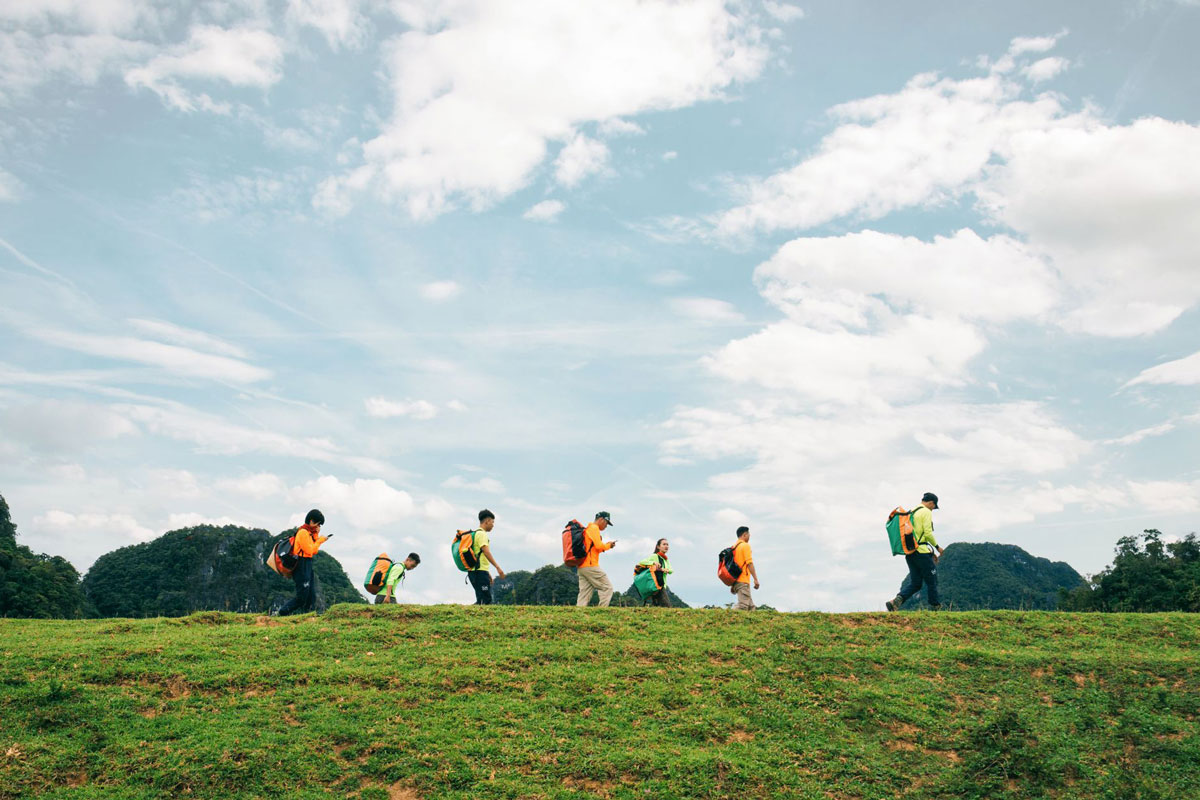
{"x": 394, "y": 575}
{"x": 922, "y": 522}
{"x": 477, "y": 544}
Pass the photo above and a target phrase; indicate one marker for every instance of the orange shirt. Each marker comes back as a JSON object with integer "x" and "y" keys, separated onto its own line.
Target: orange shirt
{"x": 742, "y": 556}
{"x": 595, "y": 546}
{"x": 305, "y": 546}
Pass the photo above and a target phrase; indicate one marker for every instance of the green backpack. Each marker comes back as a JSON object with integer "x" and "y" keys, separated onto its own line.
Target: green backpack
{"x": 646, "y": 581}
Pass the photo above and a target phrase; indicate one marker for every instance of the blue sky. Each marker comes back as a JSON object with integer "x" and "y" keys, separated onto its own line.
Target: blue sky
{"x": 700, "y": 265}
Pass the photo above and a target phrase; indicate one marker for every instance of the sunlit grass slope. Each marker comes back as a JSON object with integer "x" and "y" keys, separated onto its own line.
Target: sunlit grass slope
{"x": 408, "y": 702}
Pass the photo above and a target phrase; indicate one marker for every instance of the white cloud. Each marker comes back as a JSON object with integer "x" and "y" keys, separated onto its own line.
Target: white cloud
{"x": 109, "y": 16}
{"x": 341, "y": 22}
{"x": 578, "y": 159}
{"x": 1181, "y": 372}
{"x": 545, "y": 211}
{"x": 705, "y": 309}
{"x": 112, "y": 526}
{"x": 1144, "y": 433}
{"x": 260, "y": 485}
{"x": 241, "y": 57}
{"x": 482, "y": 87}
{"x": 51, "y": 426}
{"x": 456, "y": 405}
{"x": 441, "y": 291}
{"x": 187, "y": 337}
{"x": 921, "y": 145}
{"x": 783, "y": 12}
{"x": 488, "y": 485}
{"x": 1045, "y": 69}
{"x": 670, "y": 155}
{"x": 28, "y": 61}
{"x": 369, "y": 504}
{"x": 168, "y": 357}
{"x": 382, "y": 408}
{"x": 1116, "y": 210}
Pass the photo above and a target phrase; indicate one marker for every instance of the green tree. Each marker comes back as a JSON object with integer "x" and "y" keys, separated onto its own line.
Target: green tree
{"x": 1150, "y": 575}
{"x": 34, "y": 584}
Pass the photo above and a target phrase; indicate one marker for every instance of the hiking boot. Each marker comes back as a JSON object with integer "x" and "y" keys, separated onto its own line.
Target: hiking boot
{"x": 895, "y": 603}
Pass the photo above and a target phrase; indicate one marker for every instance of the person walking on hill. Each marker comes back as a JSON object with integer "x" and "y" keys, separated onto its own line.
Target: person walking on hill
{"x": 307, "y": 542}
{"x": 657, "y": 561}
{"x": 922, "y": 565}
{"x": 744, "y": 558}
{"x": 592, "y": 579}
{"x": 395, "y": 575}
{"x": 481, "y": 576}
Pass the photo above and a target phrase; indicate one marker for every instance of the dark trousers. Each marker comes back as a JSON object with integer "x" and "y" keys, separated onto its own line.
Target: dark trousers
{"x": 658, "y": 598}
{"x": 481, "y": 581}
{"x": 306, "y": 589}
{"x": 922, "y": 572}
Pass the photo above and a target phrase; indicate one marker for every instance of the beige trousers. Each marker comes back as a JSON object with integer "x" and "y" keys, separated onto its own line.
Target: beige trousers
{"x": 742, "y": 590}
{"x": 594, "y": 579}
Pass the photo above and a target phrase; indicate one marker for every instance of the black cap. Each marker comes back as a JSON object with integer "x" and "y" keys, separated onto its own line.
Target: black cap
{"x": 604, "y": 516}
{"x": 930, "y": 496}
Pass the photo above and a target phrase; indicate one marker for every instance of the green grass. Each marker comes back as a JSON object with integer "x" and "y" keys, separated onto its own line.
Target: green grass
{"x": 406, "y": 702}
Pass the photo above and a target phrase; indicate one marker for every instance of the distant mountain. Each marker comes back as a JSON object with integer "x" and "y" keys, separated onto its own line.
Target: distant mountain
{"x": 203, "y": 569}
{"x": 990, "y": 575}
{"x": 34, "y": 584}
{"x": 553, "y": 585}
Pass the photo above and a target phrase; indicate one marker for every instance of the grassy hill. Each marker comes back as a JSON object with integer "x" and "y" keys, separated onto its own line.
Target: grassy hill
{"x": 507, "y": 702}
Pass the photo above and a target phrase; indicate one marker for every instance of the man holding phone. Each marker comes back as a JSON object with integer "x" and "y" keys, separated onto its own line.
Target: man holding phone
{"x": 307, "y": 542}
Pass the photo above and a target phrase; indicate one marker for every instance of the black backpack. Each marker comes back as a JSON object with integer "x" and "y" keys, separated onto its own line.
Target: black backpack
{"x": 727, "y": 567}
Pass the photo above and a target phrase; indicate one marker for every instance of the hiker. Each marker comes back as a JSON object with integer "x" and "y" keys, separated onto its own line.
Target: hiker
{"x": 744, "y": 558}
{"x": 395, "y": 575}
{"x": 657, "y": 561}
{"x": 481, "y": 577}
{"x": 922, "y": 565}
{"x": 592, "y": 579}
{"x": 307, "y": 542}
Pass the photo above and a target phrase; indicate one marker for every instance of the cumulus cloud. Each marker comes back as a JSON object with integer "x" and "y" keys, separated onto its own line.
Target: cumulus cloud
{"x": 382, "y": 408}
{"x": 120, "y": 526}
{"x": 580, "y": 158}
{"x": 441, "y": 291}
{"x": 545, "y": 211}
{"x": 242, "y": 57}
{"x": 481, "y": 89}
{"x": 53, "y": 426}
{"x": 341, "y": 22}
{"x": 1045, "y": 69}
{"x": 369, "y": 504}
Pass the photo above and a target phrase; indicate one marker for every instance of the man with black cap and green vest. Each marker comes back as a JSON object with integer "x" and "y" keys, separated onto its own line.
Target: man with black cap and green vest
{"x": 592, "y": 579}
{"x": 922, "y": 565}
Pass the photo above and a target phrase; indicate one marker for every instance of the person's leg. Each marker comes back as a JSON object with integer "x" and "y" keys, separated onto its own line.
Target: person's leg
{"x": 660, "y": 598}
{"x": 313, "y": 587}
{"x": 744, "y": 603}
{"x": 604, "y": 587}
{"x": 908, "y": 587}
{"x": 586, "y": 589}
{"x": 929, "y": 575}
{"x": 481, "y": 582}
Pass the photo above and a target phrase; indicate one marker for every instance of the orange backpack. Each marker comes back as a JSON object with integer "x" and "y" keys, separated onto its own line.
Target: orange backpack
{"x": 462, "y": 549}
{"x": 575, "y": 547}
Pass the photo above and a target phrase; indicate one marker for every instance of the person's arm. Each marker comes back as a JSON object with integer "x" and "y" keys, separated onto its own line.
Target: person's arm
{"x": 487, "y": 552}
{"x": 753, "y": 573}
{"x": 387, "y": 596}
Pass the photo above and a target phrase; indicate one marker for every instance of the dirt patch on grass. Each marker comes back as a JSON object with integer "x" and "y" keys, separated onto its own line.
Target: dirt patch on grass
{"x": 589, "y": 785}
{"x": 265, "y": 621}
{"x": 740, "y": 736}
{"x": 1042, "y": 672}
{"x": 398, "y": 791}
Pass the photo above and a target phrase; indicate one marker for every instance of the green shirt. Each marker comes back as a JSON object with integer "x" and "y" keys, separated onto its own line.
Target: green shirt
{"x": 922, "y": 522}
{"x": 477, "y": 544}
{"x": 395, "y": 575}
{"x": 660, "y": 561}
